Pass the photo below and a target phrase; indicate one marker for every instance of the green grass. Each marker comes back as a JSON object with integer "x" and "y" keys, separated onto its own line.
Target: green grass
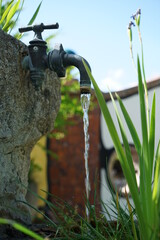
{"x": 20, "y": 228}
{"x": 71, "y": 225}
{"x": 9, "y": 15}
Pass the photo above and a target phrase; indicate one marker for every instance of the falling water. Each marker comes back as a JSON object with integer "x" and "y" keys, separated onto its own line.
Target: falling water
{"x": 85, "y": 101}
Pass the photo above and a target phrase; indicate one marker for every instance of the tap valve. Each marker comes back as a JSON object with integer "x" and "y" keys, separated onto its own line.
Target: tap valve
{"x": 38, "y": 29}
{"x": 37, "y": 61}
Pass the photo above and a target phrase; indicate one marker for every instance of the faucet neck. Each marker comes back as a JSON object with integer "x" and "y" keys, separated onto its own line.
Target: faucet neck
{"x": 76, "y": 60}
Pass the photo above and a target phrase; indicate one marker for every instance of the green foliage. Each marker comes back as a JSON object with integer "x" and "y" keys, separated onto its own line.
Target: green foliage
{"x": 69, "y": 224}
{"x": 146, "y": 198}
{"x": 9, "y": 15}
{"x": 8, "y": 11}
{"x": 20, "y": 228}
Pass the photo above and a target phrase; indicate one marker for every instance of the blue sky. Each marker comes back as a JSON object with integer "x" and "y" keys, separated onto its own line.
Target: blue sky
{"x": 97, "y": 30}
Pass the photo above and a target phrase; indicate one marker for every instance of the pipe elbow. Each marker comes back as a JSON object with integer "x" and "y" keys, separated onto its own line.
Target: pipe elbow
{"x": 76, "y": 60}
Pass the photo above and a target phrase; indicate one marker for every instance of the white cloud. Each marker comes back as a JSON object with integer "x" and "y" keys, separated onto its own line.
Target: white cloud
{"x": 113, "y": 80}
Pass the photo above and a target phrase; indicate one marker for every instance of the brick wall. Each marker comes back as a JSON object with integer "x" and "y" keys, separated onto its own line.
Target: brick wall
{"x": 67, "y": 174}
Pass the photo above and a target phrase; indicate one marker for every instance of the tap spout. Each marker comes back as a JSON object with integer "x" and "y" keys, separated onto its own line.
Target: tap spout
{"x": 76, "y": 60}
{"x": 58, "y": 60}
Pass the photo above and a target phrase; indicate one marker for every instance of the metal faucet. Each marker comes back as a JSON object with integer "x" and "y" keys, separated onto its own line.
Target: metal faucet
{"x": 56, "y": 60}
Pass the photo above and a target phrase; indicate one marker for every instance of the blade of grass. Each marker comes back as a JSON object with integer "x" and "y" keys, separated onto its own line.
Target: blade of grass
{"x": 144, "y": 76}
{"x": 156, "y": 186}
{"x": 92, "y": 229}
{"x": 10, "y": 14}
{"x": 156, "y": 192}
{"x": 20, "y": 228}
{"x": 6, "y": 12}
{"x": 13, "y": 25}
{"x": 151, "y": 147}
{"x": 143, "y": 116}
{"x": 49, "y": 38}
{"x": 125, "y": 142}
{"x": 0, "y": 7}
{"x": 40, "y": 212}
{"x": 49, "y": 204}
{"x": 123, "y": 230}
{"x": 117, "y": 206}
{"x": 26, "y": 231}
{"x": 146, "y": 198}
{"x": 131, "y": 217}
{"x": 130, "y": 125}
{"x": 35, "y": 14}
{"x": 152, "y": 134}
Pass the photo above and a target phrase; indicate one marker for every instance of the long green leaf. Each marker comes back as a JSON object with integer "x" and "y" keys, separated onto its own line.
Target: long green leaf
{"x": 152, "y": 134}
{"x": 144, "y": 181}
{"x": 125, "y": 142}
{"x": 15, "y": 21}
{"x": 131, "y": 217}
{"x": 6, "y": 12}
{"x": 35, "y": 14}
{"x": 10, "y": 15}
{"x": 50, "y": 37}
{"x": 131, "y": 126}
{"x": 13, "y": 10}
{"x": 0, "y": 7}
{"x": 146, "y": 198}
{"x": 20, "y": 228}
{"x": 144, "y": 76}
{"x": 156, "y": 192}
{"x": 156, "y": 186}
{"x": 143, "y": 115}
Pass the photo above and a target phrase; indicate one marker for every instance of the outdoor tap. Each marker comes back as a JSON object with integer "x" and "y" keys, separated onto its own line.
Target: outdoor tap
{"x": 56, "y": 60}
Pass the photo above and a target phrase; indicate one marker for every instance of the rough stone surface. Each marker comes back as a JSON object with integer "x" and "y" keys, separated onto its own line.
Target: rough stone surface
{"x": 25, "y": 115}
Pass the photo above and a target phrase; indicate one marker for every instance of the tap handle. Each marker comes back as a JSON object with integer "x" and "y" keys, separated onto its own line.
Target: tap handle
{"x": 38, "y": 29}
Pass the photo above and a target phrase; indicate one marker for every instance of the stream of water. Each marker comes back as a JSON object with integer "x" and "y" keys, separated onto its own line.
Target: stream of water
{"x": 85, "y": 102}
